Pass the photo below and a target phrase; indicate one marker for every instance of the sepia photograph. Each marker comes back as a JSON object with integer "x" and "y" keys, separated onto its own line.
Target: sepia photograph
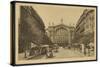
{"x": 51, "y": 33}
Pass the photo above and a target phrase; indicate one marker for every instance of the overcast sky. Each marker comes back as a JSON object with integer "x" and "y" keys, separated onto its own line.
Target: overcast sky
{"x": 54, "y": 13}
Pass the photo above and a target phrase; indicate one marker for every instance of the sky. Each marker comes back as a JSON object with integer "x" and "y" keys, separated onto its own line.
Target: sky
{"x": 53, "y": 14}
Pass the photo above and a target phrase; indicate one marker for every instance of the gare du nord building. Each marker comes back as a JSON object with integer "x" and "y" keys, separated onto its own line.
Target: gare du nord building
{"x": 61, "y": 34}
{"x": 83, "y": 32}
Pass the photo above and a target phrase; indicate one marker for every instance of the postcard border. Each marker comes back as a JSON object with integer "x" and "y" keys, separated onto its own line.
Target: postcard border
{"x": 12, "y": 33}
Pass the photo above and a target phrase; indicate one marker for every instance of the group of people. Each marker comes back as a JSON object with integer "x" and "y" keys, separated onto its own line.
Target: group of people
{"x": 35, "y": 50}
{"x": 86, "y": 49}
{"x": 32, "y": 51}
{"x": 48, "y": 52}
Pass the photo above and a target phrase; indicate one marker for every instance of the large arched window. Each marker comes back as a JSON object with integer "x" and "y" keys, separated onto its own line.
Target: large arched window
{"x": 61, "y": 31}
{"x": 61, "y": 35}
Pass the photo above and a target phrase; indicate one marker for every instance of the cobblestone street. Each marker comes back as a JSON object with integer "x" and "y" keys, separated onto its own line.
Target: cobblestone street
{"x": 63, "y": 52}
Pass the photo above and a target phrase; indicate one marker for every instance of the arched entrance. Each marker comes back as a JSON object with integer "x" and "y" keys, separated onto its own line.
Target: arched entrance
{"x": 61, "y": 36}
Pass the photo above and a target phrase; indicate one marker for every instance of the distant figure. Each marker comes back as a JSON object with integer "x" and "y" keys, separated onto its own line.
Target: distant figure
{"x": 26, "y": 53}
{"x": 91, "y": 48}
{"x": 82, "y": 48}
{"x": 56, "y": 48}
{"x": 49, "y": 53}
{"x": 33, "y": 49}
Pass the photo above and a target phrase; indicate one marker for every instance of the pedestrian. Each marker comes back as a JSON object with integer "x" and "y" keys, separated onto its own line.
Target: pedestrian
{"x": 91, "y": 48}
{"x": 51, "y": 52}
{"x": 26, "y": 53}
{"x": 82, "y": 48}
{"x": 47, "y": 52}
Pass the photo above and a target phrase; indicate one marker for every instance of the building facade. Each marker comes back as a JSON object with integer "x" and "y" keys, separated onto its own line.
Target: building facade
{"x": 60, "y": 34}
{"x": 85, "y": 27}
{"x": 31, "y": 29}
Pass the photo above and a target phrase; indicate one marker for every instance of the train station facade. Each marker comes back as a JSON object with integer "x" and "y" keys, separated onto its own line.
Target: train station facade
{"x": 60, "y": 34}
